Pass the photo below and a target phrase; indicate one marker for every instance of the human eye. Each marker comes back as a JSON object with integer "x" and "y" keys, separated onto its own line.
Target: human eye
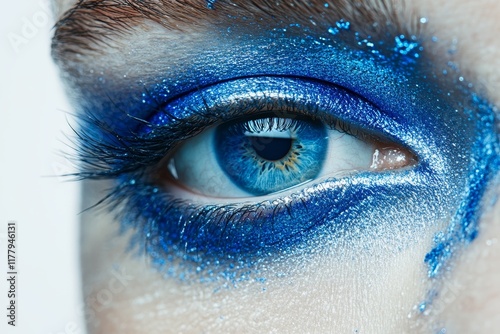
{"x": 259, "y": 156}
{"x": 291, "y": 137}
{"x": 231, "y": 169}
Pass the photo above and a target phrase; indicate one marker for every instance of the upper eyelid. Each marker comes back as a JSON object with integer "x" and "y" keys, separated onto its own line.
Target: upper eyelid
{"x": 368, "y": 86}
{"x": 123, "y": 154}
{"x": 117, "y": 88}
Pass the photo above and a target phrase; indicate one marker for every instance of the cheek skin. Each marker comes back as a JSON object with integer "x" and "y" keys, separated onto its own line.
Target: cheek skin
{"x": 365, "y": 297}
{"x": 470, "y": 299}
{"x": 371, "y": 294}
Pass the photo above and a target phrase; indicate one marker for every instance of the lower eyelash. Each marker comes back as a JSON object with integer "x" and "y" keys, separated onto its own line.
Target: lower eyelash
{"x": 171, "y": 227}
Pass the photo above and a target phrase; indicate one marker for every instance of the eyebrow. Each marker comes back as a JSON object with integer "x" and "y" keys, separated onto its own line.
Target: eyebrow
{"x": 91, "y": 25}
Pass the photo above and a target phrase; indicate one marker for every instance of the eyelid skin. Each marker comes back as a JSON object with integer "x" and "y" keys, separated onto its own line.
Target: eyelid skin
{"x": 329, "y": 58}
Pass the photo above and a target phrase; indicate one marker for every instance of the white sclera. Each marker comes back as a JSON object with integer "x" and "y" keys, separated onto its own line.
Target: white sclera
{"x": 195, "y": 163}
{"x": 196, "y": 167}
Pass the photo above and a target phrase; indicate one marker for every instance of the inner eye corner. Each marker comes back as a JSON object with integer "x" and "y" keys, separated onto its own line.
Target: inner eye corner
{"x": 390, "y": 155}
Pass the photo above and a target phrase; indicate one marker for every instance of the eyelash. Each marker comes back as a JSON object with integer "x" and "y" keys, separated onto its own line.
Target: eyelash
{"x": 104, "y": 153}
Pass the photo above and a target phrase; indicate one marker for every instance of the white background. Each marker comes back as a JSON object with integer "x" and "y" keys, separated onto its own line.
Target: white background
{"x": 33, "y": 118}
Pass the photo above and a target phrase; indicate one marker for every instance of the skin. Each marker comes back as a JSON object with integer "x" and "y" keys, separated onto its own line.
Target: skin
{"x": 317, "y": 298}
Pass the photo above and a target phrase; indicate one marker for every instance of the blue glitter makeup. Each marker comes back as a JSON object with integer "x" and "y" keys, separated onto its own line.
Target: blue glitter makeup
{"x": 211, "y": 3}
{"x": 339, "y": 26}
{"x": 271, "y": 226}
{"x": 464, "y": 226}
{"x": 385, "y": 86}
{"x": 405, "y": 47}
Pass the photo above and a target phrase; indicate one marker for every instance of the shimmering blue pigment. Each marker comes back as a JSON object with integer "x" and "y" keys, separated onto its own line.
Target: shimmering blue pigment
{"x": 339, "y": 26}
{"x": 398, "y": 94}
{"x": 271, "y": 226}
{"x": 211, "y": 3}
{"x": 406, "y": 47}
{"x": 464, "y": 226}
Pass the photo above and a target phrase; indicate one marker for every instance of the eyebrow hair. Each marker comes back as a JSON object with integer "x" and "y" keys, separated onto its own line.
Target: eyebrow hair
{"x": 91, "y": 25}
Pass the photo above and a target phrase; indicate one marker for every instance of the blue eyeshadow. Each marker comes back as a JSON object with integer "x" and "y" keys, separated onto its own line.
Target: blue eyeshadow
{"x": 394, "y": 90}
{"x": 271, "y": 226}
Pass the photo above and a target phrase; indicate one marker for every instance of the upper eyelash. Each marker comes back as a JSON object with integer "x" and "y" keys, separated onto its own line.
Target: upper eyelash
{"x": 112, "y": 154}
{"x": 103, "y": 153}
{"x": 261, "y": 124}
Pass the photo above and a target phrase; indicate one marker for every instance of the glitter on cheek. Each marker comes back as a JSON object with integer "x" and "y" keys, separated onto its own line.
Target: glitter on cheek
{"x": 485, "y": 165}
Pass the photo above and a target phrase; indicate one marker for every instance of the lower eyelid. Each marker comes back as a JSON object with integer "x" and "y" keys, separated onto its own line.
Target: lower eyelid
{"x": 183, "y": 194}
{"x": 170, "y": 217}
{"x": 267, "y": 225}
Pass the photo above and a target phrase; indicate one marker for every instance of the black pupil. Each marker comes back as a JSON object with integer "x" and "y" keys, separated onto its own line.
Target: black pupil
{"x": 271, "y": 148}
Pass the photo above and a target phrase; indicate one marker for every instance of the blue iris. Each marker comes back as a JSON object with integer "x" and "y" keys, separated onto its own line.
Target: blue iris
{"x": 266, "y": 155}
